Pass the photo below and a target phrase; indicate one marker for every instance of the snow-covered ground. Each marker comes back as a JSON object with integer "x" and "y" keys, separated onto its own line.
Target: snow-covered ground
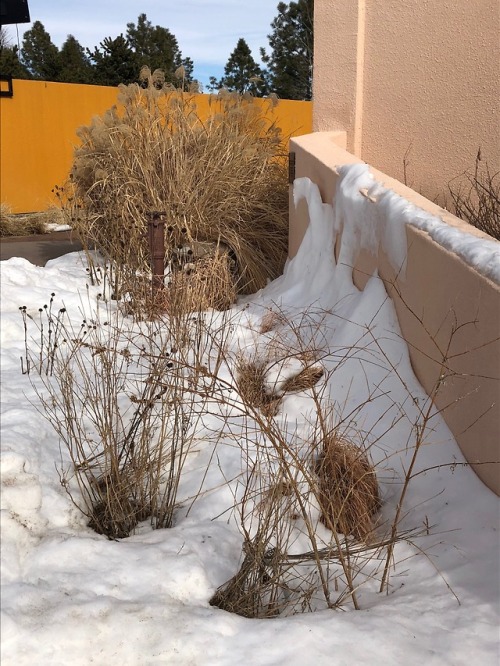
{"x": 71, "y": 596}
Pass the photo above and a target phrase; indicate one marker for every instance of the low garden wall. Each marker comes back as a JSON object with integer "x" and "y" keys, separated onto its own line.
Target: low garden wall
{"x": 38, "y": 134}
{"x": 439, "y": 295}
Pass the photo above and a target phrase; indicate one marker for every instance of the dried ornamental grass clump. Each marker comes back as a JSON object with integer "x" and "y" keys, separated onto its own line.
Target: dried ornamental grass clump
{"x": 348, "y": 492}
{"x": 204, "y": 282}
{"x": 251, "y": 384}
{"x": 261, "y": 391}
{"x": 22, "y": 225}
{"x": 221, "y": 180}
{"x": 306, "y": 379}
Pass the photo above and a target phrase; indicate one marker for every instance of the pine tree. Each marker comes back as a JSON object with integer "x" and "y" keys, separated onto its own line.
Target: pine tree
{"x": 75, "y": 64}
{"x": 114, "y": 62}
{"x": 157, "y": 48}
{"x": 10, "y": 65}
{"x": 39, "y": 54}
{"x": 241, "y": 73}
{"x": 290, "y": 62}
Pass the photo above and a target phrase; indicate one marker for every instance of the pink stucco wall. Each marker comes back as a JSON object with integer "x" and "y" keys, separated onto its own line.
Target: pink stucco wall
{"x": 414, "y": 79}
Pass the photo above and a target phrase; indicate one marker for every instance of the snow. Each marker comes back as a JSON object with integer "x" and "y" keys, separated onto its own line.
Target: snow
{"x": 53, "y": 226}
{"x": 384, "y": 224}
{"x": 71, "y": 596}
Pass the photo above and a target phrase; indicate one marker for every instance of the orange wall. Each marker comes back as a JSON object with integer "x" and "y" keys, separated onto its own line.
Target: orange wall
{"x": 38, "y": 134}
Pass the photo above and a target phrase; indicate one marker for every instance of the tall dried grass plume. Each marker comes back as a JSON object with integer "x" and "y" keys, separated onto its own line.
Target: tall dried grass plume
{"x": 221, "y": 179}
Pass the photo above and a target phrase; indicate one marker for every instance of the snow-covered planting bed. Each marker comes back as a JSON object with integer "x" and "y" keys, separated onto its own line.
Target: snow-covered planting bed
{"x": 71, "y": 596}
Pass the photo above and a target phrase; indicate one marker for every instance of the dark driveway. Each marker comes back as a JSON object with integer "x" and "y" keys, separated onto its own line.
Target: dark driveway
{"x": 39, "y": 249}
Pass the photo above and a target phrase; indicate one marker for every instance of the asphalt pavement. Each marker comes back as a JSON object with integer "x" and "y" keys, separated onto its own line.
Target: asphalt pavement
{"x": 40, "y": 248}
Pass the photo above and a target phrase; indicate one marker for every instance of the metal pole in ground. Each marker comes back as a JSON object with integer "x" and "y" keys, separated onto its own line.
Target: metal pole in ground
{"x": 156, "y": 238}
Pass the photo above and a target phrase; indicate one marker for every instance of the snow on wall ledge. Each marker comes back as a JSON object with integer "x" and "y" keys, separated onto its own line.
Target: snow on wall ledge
{"x": 378, "y": 217}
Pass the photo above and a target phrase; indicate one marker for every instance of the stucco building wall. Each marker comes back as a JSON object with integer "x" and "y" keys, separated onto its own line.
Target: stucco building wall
{"x": 414, "y": 79}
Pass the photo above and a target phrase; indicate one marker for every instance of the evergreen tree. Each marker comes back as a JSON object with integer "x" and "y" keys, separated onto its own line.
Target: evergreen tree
{"x": 290, "y": 62}
{"x": 39, "y": 54}
{"x": 75, "y": 64}
{"x": 157, "y": 48}
{"x": 10, "y": 65}
{"x": 4, "y": 38}
{"x": 114, "y": 62}
{"x": 214, "y": 85}
{"x": 241, "y": 73}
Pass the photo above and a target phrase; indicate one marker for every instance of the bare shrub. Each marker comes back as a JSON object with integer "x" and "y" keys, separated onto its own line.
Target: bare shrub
{"x": 118, "y": 399}
{"x": 289, "y": 564}
{"x": 127, "y": 401}
{"x": 476, "y": 197}
{"x": 310, "y": 538}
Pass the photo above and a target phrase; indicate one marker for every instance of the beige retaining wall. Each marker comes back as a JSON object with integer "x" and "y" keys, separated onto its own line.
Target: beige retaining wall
{"x": 439, "y": 290}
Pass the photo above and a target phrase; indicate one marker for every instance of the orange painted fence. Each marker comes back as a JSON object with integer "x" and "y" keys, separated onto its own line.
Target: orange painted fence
{"x": 38, "y": 134}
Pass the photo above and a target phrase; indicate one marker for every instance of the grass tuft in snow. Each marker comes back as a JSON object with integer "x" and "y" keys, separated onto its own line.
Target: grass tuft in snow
{"x": 348, "y": 495}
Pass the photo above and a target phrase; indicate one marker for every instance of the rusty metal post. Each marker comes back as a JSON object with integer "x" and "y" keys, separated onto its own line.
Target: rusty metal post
{"x": 156, "y": 237}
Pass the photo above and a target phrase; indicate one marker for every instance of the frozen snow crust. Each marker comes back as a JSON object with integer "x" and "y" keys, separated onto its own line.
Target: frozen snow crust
{"x": 70, "y": 596}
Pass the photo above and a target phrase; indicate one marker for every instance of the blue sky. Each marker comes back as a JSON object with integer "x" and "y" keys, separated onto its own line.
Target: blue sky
{"x": 206, "y": 30}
